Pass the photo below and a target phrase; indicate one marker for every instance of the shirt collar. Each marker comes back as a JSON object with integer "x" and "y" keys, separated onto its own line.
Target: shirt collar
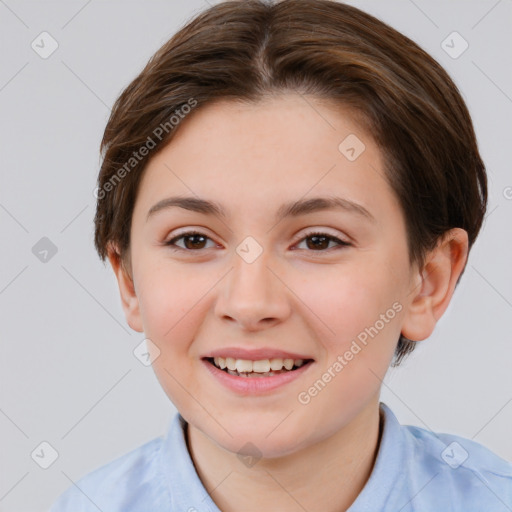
{"x": 185, "y": 488}
{"x": 387, "y": 466}
{"x": 189, "y": 494}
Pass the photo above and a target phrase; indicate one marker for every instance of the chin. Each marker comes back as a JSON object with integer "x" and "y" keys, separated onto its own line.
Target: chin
{"x": 259, "y": 439}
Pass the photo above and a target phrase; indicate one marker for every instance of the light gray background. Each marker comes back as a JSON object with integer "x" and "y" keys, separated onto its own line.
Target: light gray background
{"x": 68, "y": 374}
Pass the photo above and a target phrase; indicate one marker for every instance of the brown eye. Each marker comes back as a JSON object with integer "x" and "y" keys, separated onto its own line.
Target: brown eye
{"x": 193, "y": 240}
{"x": 320, "y": 241}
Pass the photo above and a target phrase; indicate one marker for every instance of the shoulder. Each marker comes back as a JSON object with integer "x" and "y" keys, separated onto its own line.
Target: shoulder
{"x": 458, "y": 469}
{"x": 133, "y": 478}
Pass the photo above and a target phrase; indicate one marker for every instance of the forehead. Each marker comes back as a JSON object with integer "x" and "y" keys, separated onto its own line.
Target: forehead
{"x": 283, "y": 147}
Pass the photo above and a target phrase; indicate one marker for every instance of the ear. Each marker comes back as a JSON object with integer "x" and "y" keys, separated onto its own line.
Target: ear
{"x": 129, "y": 299}
{"x": 435, "y": 285}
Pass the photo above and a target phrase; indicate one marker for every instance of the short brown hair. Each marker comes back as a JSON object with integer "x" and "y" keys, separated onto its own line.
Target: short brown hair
{"x": 249, "y": 50}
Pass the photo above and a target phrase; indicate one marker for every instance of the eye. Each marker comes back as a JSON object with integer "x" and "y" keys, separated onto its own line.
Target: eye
{"x": 193, "y": 240}
{"x": 320, "y": 241}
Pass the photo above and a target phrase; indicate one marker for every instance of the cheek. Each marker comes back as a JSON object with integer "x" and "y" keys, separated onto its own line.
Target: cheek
{"x": 172, "y": 310}
{"x": 364, "y": 311}
{"x": 350, "y": 301}
{"x": 169, "y": 299}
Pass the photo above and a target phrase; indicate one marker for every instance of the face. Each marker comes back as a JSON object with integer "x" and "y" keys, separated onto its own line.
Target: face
{"x": 328, "y": 286}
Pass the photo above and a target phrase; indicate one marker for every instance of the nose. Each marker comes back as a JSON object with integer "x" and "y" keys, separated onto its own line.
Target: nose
{"x": 253, "y": 295}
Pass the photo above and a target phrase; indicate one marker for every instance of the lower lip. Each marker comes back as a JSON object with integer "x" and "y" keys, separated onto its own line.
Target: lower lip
{"x": 254, "y": 385}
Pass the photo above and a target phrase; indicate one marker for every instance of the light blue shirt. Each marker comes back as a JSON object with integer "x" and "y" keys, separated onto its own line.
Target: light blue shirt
{"x": 415, "y": 471}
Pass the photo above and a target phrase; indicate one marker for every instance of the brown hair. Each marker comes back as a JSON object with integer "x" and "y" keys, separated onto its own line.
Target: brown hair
{"x": 248, "y": 50}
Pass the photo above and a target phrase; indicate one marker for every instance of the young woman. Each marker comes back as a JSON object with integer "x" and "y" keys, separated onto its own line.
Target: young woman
{"x": 288, "y": 196}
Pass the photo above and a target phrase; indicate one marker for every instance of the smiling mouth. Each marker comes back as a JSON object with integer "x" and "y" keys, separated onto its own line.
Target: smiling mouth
{"x": 255, "y": 369}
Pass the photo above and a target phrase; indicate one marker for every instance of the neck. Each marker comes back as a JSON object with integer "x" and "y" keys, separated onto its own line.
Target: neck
{"x": 326, "y": 476}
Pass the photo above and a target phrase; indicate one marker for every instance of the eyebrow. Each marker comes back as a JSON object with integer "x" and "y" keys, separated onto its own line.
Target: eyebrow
{"x": 291, "y": 209}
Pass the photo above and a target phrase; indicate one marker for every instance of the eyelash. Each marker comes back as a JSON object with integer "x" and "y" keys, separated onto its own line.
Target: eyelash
{"x": 171, "y": 243}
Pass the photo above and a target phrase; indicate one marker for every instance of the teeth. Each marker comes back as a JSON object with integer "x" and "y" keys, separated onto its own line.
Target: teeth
{"x": 288, "y": 364}
{"x": 243, "y": 365}
{"x": 276, "y": 364}
{"x": 260, "y": 366}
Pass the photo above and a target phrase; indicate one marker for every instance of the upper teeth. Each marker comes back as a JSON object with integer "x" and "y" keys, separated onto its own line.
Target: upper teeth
{"x": 260, "y": 366}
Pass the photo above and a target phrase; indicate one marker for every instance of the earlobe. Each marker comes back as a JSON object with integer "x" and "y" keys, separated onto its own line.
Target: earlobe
{"x": 129, "y": 299}
{"x": 435, "y": 284}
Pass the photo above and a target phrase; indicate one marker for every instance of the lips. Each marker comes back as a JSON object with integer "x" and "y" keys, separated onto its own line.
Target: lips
{"x": 255, "y": 383}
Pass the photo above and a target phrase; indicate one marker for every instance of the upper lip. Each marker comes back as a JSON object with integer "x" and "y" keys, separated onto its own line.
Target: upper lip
{"x": 255, "y": 354}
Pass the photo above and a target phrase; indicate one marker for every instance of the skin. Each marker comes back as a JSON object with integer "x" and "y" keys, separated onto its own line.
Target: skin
{"x": 294, "y": 296}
